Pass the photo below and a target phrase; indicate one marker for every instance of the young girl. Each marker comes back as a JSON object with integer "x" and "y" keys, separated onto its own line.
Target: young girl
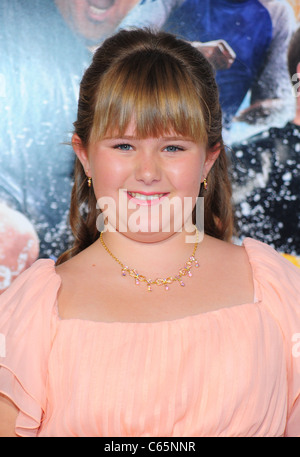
{"x": 153, "y": 328}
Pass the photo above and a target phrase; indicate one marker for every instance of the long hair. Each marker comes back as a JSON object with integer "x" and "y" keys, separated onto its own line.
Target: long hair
{"x": 167, "y": 85}
{"x": 293, "y": 55}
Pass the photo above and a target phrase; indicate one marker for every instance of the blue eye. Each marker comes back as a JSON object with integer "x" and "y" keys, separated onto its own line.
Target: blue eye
{"x": 123, "y": 147}
{"x": 173, "y": 148}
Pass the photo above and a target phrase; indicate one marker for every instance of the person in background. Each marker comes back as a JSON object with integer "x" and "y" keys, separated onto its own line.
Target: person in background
{"x": 266, "y": 176}
{"x": 94, "y": 20}
{"x": 256, "y": 35}
{"x": 243, "y": 55}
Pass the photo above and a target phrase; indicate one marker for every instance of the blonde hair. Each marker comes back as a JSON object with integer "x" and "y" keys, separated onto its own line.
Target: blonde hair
{"x": 168, "y": 86}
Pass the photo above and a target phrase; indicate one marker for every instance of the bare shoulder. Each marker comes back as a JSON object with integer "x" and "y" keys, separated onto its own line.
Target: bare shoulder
{"x": 76, "y": 275}
{"x": 227, "y": 252}
{"x": 80, "y": 264}
{"x": 229, "y": 265}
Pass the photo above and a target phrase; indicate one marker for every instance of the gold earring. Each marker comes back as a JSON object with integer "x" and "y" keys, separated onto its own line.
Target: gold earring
{"x": 205, "y": 184}
{"x": 89, "y": 180}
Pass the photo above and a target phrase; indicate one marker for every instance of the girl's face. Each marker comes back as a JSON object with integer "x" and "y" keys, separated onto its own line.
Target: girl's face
{"x": 146, "y": 188}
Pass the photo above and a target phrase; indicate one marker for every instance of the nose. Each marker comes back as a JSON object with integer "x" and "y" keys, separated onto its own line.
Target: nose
{"x": 148, "y": 168}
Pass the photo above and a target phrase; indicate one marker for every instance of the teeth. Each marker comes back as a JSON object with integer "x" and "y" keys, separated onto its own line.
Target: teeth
{"x": 145, "y": 197}
{"x": 96, "y": 10}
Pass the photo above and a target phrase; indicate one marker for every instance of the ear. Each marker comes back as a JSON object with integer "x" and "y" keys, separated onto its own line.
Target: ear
{"x": 211, "y": 156}
{"x": 81, "y": 152}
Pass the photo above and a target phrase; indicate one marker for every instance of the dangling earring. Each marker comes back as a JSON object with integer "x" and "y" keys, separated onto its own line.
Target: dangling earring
{"x": 89, "y": 180}
{"x": 205, "y": 184}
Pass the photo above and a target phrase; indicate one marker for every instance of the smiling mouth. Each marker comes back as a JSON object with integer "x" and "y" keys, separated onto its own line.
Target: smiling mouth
{"x": 145, "y": 199}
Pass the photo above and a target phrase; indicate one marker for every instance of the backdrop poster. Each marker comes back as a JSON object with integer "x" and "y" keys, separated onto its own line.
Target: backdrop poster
{"x": 45, "y": 47}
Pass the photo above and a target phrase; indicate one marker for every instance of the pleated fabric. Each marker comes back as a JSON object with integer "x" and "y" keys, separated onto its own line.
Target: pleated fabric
{"x": 229, "y": 372}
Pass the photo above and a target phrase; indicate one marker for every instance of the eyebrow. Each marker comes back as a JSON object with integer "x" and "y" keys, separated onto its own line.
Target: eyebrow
{"x": 165, "y": 138}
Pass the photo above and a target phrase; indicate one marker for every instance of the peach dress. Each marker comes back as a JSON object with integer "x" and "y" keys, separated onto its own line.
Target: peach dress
{"x": 230, "y": 372}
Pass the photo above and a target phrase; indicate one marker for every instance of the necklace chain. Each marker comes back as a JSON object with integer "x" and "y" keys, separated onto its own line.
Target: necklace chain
{"x": 185, "y": 271}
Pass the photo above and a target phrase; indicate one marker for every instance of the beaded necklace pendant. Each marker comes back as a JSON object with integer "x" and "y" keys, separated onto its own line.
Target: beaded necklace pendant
{"x": 183, "y": 272}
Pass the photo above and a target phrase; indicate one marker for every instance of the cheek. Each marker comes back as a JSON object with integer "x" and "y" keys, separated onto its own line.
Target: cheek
{"x": 187, "y": 177}
{"x": 108, "y": 176}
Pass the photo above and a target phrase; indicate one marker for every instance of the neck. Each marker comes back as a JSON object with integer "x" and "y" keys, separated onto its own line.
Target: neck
{"x": 183, "y": 272}
{"x": 151, "y": 258}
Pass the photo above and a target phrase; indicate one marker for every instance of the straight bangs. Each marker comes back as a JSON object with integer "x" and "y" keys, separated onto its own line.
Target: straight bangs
{"x": 156, "y": 92}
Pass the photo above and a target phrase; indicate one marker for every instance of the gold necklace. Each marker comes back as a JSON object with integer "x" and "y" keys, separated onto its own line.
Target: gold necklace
{"x": 185, "y": 271}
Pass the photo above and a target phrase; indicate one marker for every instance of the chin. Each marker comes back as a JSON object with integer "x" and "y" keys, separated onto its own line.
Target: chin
{"x": 147, "y": 236}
